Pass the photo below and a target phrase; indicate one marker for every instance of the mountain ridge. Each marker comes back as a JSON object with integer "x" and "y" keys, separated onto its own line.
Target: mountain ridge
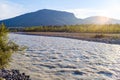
{"x": 47, "y": 17}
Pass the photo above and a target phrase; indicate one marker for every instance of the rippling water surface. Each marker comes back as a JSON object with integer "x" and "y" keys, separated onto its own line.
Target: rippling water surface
{"x": 55, "y": 58}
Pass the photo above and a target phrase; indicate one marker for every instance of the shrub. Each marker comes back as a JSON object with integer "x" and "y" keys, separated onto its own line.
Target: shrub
{"x": 99, "y": 36}
{"x": 7, "y": 48}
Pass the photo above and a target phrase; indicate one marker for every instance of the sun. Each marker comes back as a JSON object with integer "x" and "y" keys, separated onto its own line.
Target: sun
{"x": 103, "y": 19}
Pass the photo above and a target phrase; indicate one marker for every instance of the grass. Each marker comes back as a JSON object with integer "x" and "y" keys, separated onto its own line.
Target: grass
{"x": 84, "y": 28}
{"x": 97, "y": 31}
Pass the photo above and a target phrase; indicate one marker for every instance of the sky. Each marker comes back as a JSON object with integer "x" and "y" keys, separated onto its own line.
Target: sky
{"x": 81, "y": 8}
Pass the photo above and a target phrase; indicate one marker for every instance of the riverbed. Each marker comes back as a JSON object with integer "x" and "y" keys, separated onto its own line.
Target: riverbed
{"x": 57, "y": 58}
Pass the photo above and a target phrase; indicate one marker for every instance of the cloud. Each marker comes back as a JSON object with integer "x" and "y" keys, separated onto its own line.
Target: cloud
{"x": 108, "y": 12}
{"x": 111, "y": 9}
{"x": 10, "y": 9}
{"x": 83, "y": 13}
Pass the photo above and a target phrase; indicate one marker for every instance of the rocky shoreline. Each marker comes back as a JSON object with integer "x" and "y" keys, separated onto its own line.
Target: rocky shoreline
{"x": 109, "y": 39}
{"x": 13, "y": 75}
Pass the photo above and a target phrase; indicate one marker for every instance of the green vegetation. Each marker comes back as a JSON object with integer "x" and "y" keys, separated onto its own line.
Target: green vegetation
{"x": 99, "y": 36}
{"x": 7, "y": 48}
{"x": 85, "y": 28}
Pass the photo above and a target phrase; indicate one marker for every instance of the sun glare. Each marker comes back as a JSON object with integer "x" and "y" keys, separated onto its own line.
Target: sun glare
{"x": 103, "y": 19}
{"x": 110, "y": 9}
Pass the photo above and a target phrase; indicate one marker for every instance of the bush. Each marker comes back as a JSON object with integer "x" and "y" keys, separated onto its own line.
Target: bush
{"x": 99, "y": 36}
{"x": 7, "y": 48}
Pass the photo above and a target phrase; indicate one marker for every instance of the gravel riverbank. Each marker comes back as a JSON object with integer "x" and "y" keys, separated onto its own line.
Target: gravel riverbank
{"x": 13, "y": 75}
{"x": 107, "y": 38}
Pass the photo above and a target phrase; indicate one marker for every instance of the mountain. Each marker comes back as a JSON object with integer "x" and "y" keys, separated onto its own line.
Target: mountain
{"x": 100, "y": 20}
{"x": 47, "y": 17}
{"x": 42, "y": 17}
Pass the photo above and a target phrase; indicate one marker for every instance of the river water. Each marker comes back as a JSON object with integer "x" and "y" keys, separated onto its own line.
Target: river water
{"x": 55, "y": 58}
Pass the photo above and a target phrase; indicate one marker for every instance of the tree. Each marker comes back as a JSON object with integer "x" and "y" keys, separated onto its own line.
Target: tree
{"x": 7, "y": 48}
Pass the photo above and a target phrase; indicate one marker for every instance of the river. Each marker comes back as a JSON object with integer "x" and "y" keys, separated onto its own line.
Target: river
{"x": 55, "y": 58}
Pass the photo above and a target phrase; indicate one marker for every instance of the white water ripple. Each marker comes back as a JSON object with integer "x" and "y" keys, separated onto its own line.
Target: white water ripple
{"x": 55, "y": 58}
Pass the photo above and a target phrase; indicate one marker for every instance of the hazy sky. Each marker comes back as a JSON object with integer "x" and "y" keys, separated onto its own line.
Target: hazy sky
{"x": 81, "y": 8}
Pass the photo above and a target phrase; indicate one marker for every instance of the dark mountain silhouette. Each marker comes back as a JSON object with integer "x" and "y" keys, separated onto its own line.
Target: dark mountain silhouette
{"x": 47, "y": 17}
{"x": 42, "y": 17}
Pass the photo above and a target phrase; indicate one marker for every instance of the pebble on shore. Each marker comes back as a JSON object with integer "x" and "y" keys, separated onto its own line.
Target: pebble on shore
{"x": 13, "y": 75}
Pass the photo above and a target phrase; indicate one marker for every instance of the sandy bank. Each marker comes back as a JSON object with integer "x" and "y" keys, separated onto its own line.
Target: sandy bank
{"x": 107, "y": 38}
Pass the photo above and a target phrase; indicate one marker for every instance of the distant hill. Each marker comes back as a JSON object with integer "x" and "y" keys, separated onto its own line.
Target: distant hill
{"x": 100, "y": 20}
{"x": 53, "y": 17}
